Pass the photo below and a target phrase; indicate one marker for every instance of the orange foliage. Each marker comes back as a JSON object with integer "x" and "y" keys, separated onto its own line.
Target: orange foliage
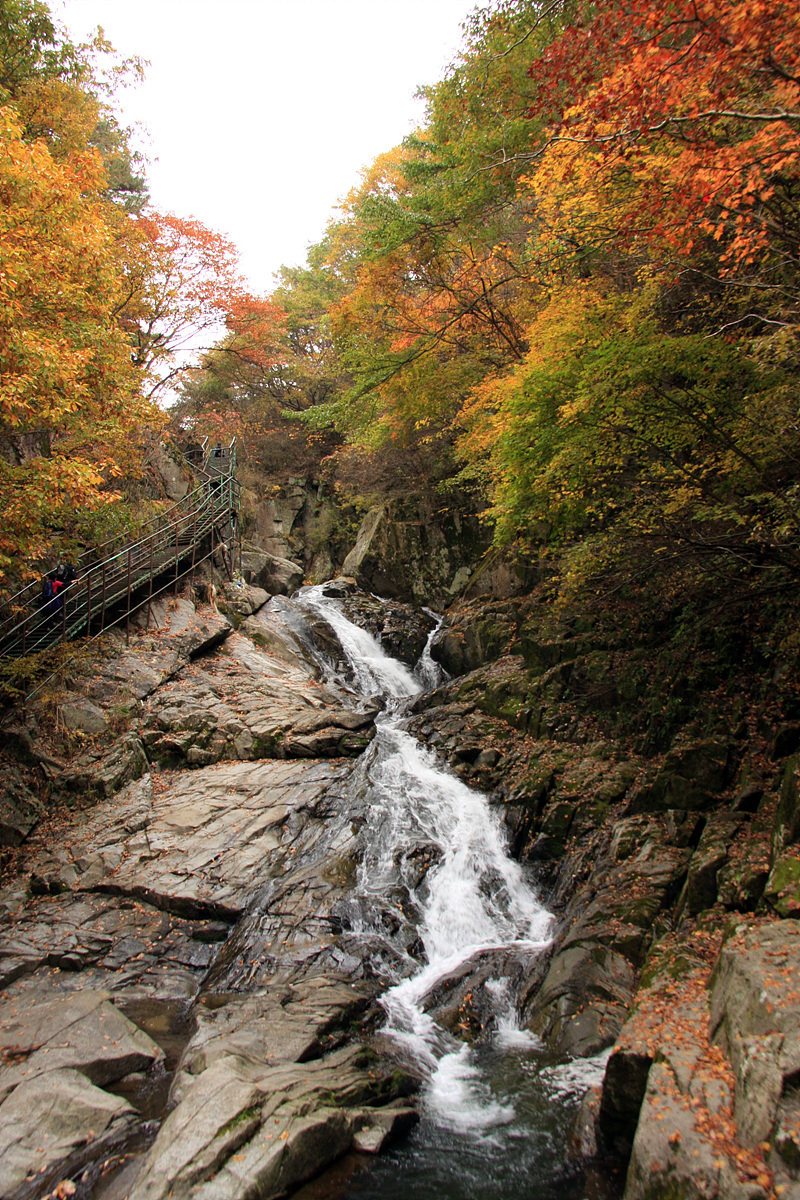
{"x": 697, "y": 105}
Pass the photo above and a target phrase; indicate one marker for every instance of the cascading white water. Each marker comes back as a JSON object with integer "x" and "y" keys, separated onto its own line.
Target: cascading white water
{"x": 472, "y": 901}
{"x": 374, "y": 672}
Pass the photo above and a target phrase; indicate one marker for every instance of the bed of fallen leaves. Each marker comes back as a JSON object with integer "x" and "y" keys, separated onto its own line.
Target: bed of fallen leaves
{"x": 670, "y": 1021}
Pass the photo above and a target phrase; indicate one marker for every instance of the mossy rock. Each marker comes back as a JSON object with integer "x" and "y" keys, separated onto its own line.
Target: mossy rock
{"x": 558, "y": 819}
{"x": 782, "y": 892}
{"x": 532, "y": 788}
{"x": 787, "y": 817}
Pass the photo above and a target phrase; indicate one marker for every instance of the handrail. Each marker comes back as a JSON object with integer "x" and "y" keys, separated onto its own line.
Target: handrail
{"x": 112, "y": 624}
{"x": 104, "y": 585}
{"x": 36, "y": 583}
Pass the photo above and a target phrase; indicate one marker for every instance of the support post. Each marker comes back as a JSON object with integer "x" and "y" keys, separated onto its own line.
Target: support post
{"x": 194, "y": 551}
{"x": 150, "y": 592}
{"x": 128, "y": 605}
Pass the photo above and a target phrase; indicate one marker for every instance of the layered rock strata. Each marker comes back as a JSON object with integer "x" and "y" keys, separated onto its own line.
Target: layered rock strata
{"x": 170, "y": 944}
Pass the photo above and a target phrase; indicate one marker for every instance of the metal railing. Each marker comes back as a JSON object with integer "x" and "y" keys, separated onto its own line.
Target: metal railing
{"x": 108, "y": 589}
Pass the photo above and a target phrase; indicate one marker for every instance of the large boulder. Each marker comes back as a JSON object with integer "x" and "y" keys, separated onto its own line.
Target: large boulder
{"x": 102, "y": 773}
{"x": 690, "y": 779}
{"x": 278, "y": 576}
{"x": 83, "y": 1032}
{"x": 667, "y": 1096}
{"x": 245, "y": 1129}
{"x": 56, "y": 1119}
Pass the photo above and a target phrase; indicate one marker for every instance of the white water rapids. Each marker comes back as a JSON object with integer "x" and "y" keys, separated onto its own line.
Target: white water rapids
{"x": 471, "y": 903}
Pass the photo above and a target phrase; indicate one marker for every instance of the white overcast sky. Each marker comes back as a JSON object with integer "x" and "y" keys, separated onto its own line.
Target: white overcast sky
{"x": 261, "y": 113}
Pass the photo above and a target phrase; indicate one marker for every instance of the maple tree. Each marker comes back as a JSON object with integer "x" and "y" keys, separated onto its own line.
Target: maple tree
{"x": 182, "y": 284}
{"x": 69, "y": 394}
{"x": 698, "y": 105}
{"x": 101, "y": 301}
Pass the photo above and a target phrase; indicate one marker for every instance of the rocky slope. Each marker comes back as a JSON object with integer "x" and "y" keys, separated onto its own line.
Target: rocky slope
{"x": 676, "y": 878}
{"x": 168, "y": 939}
{"x": 171, "y": 935}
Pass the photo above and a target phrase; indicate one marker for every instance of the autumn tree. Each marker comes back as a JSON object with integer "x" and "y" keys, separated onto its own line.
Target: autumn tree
{"x": 657, "y": 396}
{"x": 71, "y": 406}
{"x": 69, "y": 391}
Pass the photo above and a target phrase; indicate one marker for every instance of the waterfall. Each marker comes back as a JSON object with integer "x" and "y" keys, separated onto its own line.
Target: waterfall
{"x": 473, "y": 902}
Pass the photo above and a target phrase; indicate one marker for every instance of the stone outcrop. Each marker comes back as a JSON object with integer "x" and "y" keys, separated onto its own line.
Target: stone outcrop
{"x": 424, "y": 558}
{"x": 245, "y": 705}
{"x": 276, "y": 575}
{"x": 177, "y": 934}
{"x": 198, "y": 895}
{"x": 645, "y": 861}
{"x": 755, "y": 1017}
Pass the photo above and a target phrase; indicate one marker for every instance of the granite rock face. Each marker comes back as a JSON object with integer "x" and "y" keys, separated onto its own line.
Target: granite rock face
{"x": 195, "y": 905}
{"x": 177, "y": 934}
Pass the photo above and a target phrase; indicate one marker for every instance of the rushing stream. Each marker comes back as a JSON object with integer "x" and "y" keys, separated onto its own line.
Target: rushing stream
{"x": 437, "y": 901}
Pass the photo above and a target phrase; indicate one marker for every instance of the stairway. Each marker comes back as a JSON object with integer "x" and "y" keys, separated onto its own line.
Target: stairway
{"x": 110, "y": 587}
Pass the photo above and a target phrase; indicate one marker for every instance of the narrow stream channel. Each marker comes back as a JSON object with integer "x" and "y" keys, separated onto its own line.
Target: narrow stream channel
{"x": 439, "y": 902}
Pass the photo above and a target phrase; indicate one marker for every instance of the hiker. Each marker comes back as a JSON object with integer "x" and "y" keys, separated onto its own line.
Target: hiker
{"x": 51, "y": 599}
{"x": 54, "y": 584}
{"x": 64, "y": 574}
{"x": 218, "y": 451}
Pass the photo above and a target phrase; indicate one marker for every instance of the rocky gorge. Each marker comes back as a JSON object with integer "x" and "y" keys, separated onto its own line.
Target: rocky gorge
{"x": 232, "y": 954}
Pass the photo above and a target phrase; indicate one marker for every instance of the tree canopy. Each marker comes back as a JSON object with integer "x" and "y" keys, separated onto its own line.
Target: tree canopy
{"x": 99, "y": 294}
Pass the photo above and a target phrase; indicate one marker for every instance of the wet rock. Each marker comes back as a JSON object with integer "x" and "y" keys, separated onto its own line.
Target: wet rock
{"x": 82, "y": 1031}
{"x": 622, "y": 1095}
{"x": 465, "y": 1000}
{"x": 376, "y": 1128}
{"x": 100, "y": 773}
{"x": 203, "y": 850}
{"x": 95, "y": 942}
{"x": 582, "y": 1003}
{"x": 294, "y": 1023}
{"x": 339, "y": 589}
{"x": 584, "y": 999}
{"x": 401, "y": 629}
{"x": 473, "y": 641}
{"x": 269, "y": 634}
{"x": 583, "y": 1140}
{"x": 53, "y": 1123}
{"x": 245, "y": 1128}
{"x": 247, "y": 704}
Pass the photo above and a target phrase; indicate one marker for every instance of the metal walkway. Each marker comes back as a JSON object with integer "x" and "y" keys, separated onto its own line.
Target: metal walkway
{"x": 110, "y": 587}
